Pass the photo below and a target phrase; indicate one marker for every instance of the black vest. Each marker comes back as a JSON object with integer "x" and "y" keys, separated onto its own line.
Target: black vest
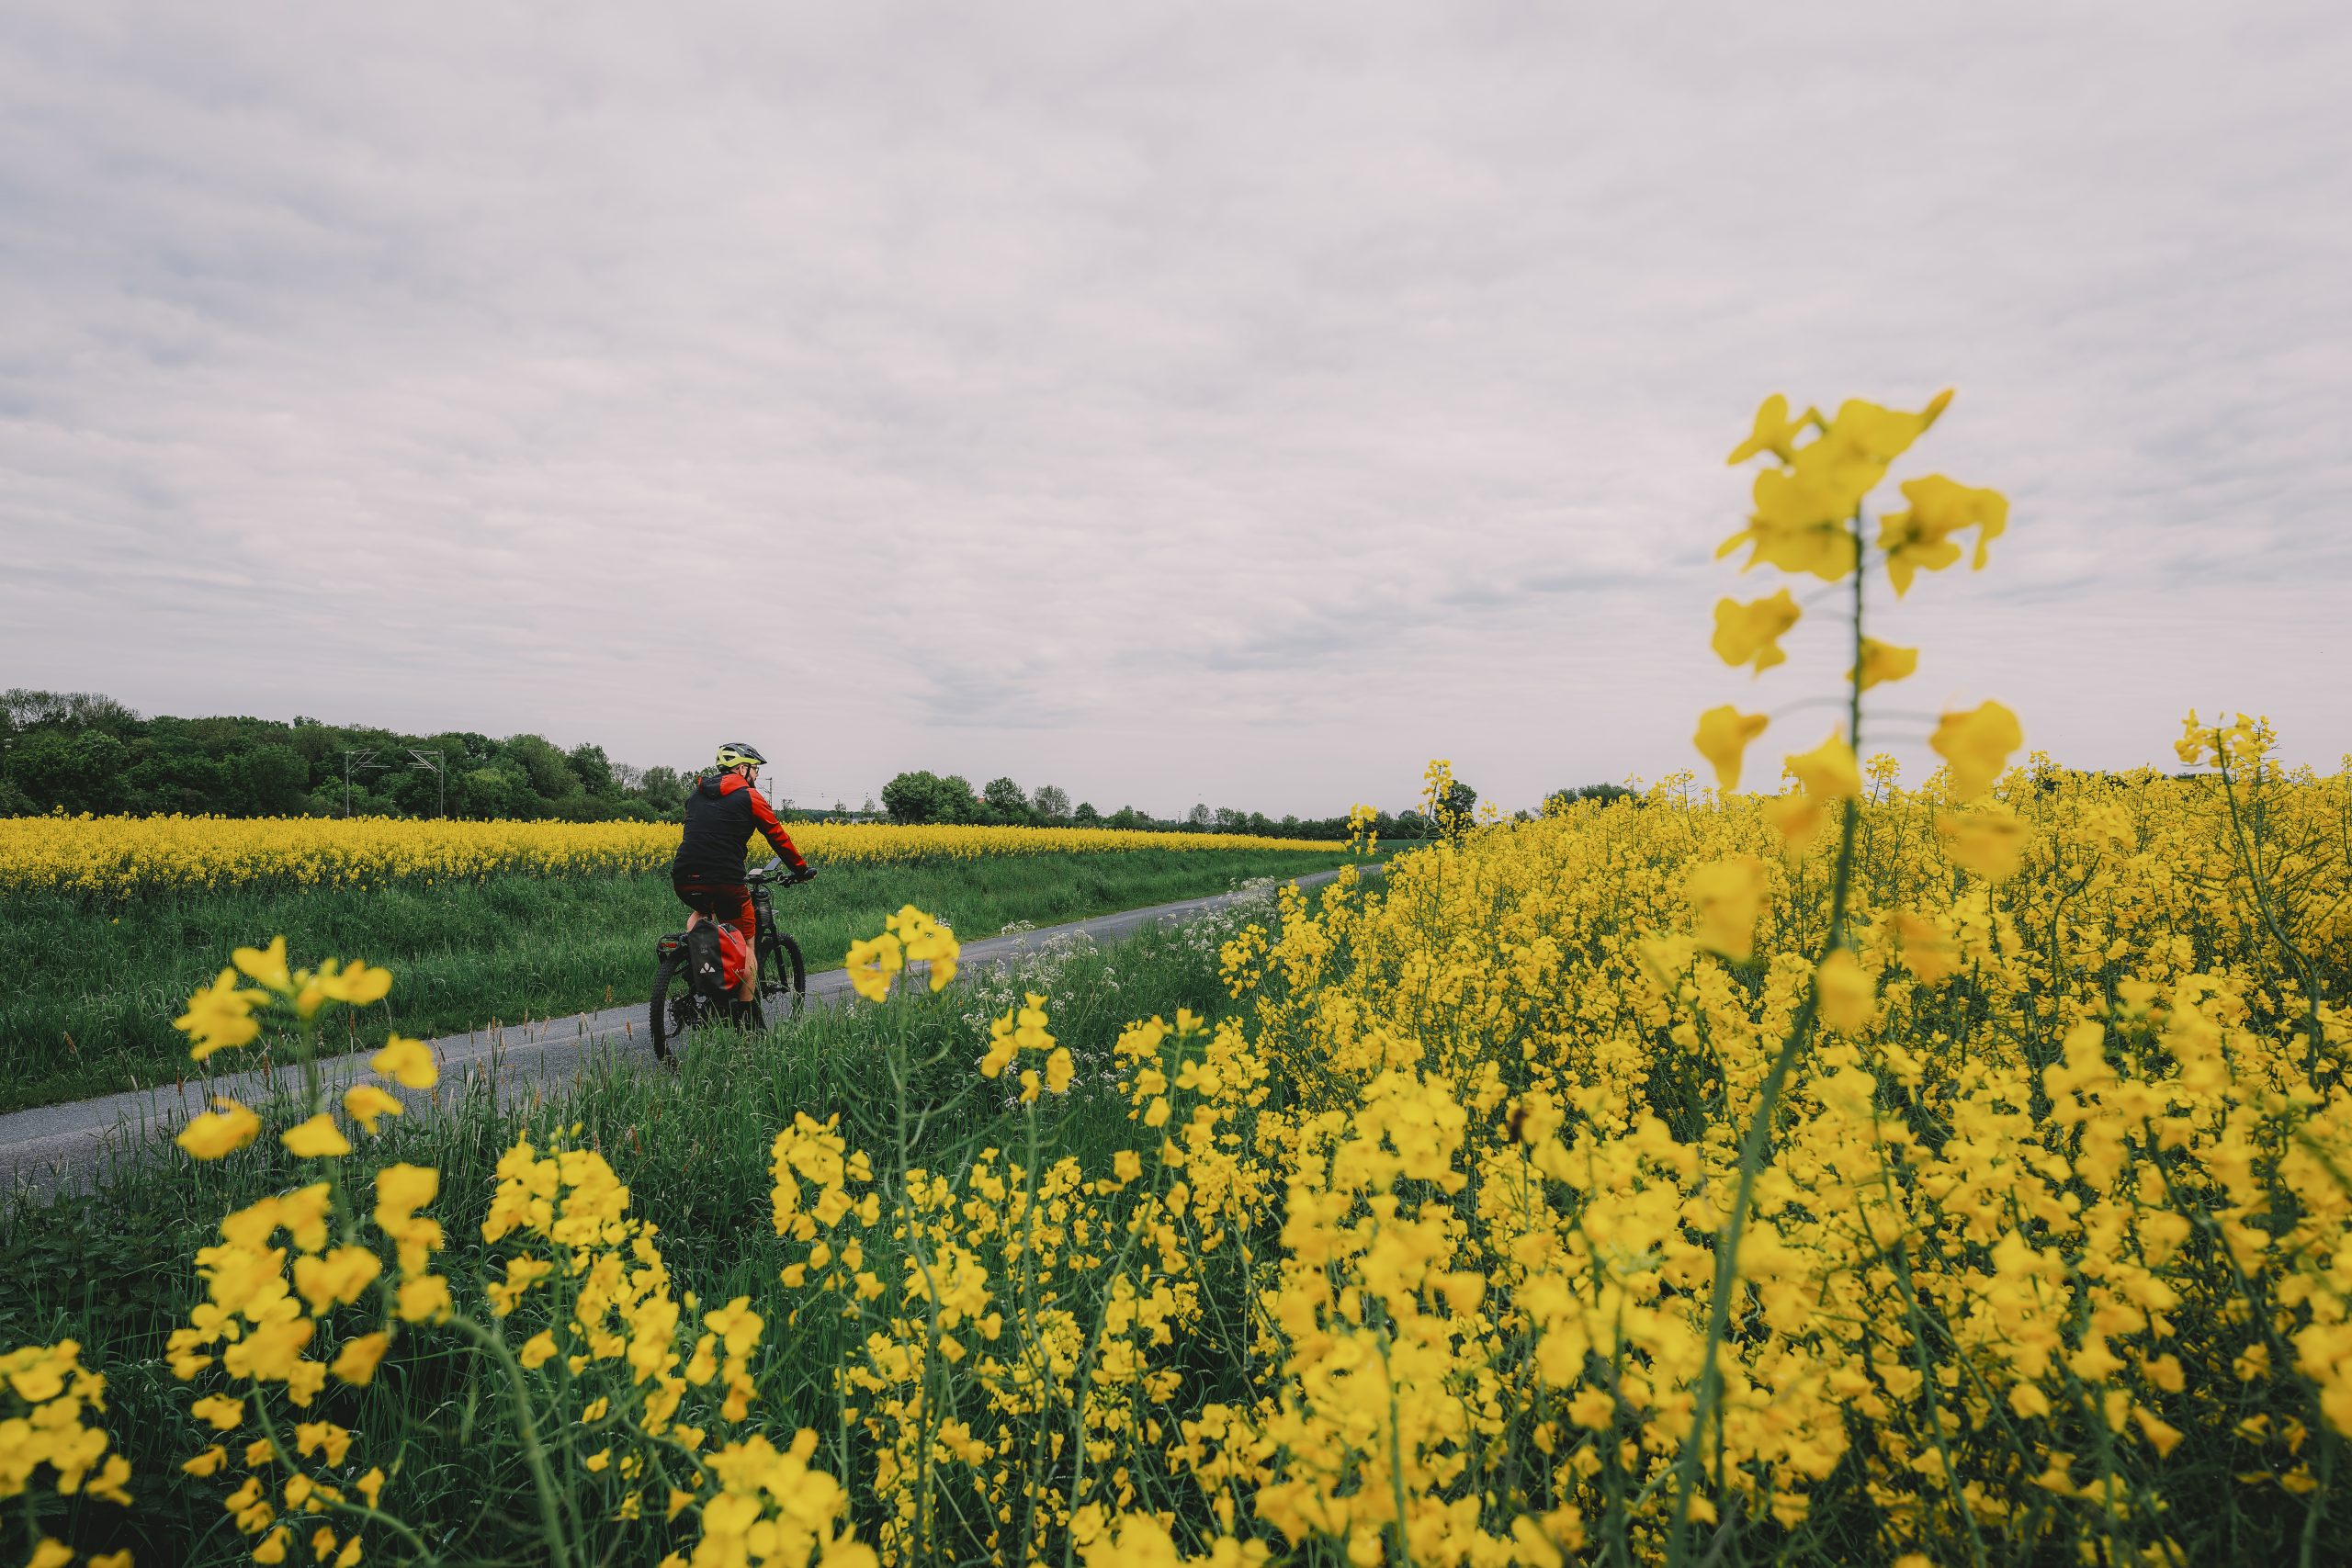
{"x": 719, "y": 832}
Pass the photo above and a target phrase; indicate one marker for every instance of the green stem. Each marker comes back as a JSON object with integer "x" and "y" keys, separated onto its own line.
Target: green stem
{"x": 367, "y": 1512}
{"x": 1902, "y": 1255}
{"x": 1094, "y": 1336}
{"x": 1396, "y": 1451}
{"x": 528, "y": 1428}
{"x": 1760, "y": 1127}
{"x": 2312, "y": 995}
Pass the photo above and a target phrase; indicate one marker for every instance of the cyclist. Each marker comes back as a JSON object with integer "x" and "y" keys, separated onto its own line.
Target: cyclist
{"x": 722, "y": 810}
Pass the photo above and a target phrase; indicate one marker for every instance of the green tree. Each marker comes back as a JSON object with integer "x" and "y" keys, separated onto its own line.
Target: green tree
{"x": 663, "y": 789}
{"x": 488, "y": 793}
{"x": 80, "y": 772}
{"x": 269, "y": 780}
{"x": 593, "y": 769}
{"x": 1005, "y": 798}
{"x": 923, "y": 796}
{"x": 549, "y": 769}
{"x": 22, "y": 708}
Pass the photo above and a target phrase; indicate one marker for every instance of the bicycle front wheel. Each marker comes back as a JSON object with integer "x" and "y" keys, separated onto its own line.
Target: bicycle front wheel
{"x": 782, "y": 973}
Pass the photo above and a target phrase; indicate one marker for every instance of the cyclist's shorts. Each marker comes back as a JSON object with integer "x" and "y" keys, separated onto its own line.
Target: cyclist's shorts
{"x": 731, "y": 902}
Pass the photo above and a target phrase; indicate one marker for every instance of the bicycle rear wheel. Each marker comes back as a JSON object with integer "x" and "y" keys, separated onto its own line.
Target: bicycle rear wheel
{"x": 675, "y": 1009}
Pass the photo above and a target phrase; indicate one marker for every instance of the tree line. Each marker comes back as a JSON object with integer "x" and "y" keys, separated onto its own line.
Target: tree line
{"x": 82, "y": 751}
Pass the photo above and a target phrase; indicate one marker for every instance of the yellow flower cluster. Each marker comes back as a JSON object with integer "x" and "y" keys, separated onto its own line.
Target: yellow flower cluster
{"x": 1808, "y": 519}
{"x": 632, "y": 1359}
{"x": 303, "y": 1298}
{"x": 225, "y": 1015}
{"x": 2076, "y": 1185}
{"x": 1023, "y": 1029}
{"x": 910, "y": 935}
{"x": 114, "y": 857}
{"x": 46, "y": 1396}
{"x": 2009, "y": 1252}
{"x": 1026, "y": 1352}
{"x": 265, "y": 1308}
{"x": 280, "y": 1319}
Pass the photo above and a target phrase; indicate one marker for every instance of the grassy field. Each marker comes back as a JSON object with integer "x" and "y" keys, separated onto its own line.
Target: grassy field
{"x": 112, "y": 1271}
{"x": 94, "y": 987}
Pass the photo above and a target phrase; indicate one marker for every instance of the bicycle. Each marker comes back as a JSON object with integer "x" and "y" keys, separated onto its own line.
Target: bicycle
{"x": 678, "y": 1008}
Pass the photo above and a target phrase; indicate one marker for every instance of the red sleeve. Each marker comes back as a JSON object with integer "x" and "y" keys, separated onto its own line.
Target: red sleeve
{"x": 763, "y": 819}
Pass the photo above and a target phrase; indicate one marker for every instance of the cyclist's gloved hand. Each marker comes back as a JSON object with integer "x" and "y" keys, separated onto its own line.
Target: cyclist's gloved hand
{"x": 804, "y": 871}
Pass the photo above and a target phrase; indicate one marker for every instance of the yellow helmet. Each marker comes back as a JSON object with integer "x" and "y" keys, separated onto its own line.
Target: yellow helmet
{"x": 737, "y": 752}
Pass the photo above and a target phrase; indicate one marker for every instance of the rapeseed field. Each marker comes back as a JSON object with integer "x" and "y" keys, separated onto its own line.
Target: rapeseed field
{"x": 1856, "y": 1173}
{"x": 121, "y": 857}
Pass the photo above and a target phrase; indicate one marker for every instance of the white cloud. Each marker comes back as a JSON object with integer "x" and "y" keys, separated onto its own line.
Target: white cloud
{"x": 1192, "y": 402}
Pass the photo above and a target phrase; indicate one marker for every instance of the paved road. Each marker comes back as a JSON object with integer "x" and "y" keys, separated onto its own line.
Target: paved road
{"x": 71, "y": 1145}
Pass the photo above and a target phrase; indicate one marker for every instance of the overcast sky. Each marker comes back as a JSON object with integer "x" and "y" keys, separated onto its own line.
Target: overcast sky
{"x": 1230, "y": 403}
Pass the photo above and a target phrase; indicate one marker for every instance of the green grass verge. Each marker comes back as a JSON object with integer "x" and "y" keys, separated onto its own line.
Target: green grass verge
{"x": 93, "y": 990}
{"x": 114, "y": 1271}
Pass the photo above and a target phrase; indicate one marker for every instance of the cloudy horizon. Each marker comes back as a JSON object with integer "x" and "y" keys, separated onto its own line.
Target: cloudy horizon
{"x": 1173, "y": 404}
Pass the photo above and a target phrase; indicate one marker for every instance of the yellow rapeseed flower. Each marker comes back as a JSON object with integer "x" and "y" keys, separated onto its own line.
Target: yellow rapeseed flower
{"x": 408, "y": 1063}
{"x": 924, "y": 941}
{"x": 1920, "y": 539}
{"x": 267, "y": 967}
{"x": 1750, "y": 633}
{"x": 1722, "y": 738}
{"x": 363, "y": 1102}
{"x": 318, "y": 1138}
{"x": 1989, "y": 842}
{"x": 1883, "y": 661}
{"x": 1977, "y": 744}
{"x": 221, "y": 1016}
{"x": 1844, "y": 994}
{"x": 873, "y": 965}
{"x": 356, "y": 984}
{"x": 1726, "y": 896}
{"x": 1828, "y": 771}
{"x": 1775, "y": 431}
{"x": 221, "y": 1131}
